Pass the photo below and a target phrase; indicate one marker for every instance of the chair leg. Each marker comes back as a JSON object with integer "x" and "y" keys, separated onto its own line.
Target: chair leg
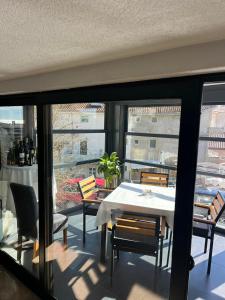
{"x": 35, "y": 249}
{"x": 84, "y": 225}
{"x": 206, "y": 244}
{"x": 169, "y": 248}
{"x": 112, "y": 265}
{"x": 161, "y": 252}
{"x": 157, "y": 257}
{"x": 19, "y": 248}
{"x": 65, "y": 238}
{"x": 118, "y": 254}
{"x": 167, "y": 232}
{"x": 210, "y": 252}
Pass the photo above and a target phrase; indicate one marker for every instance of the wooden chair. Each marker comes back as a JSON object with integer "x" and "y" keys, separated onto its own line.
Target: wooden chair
{"x": 91, "y": 198}
{"x": 158, "y": 179}
{"x": 27, "y": 217}
{"x": 138, "y": 233}
{"x": 204, "y": 222}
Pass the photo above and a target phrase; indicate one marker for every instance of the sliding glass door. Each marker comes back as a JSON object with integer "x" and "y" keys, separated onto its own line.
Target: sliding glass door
{"x": 154, "y": 127}
{"x": 19, "y": 186}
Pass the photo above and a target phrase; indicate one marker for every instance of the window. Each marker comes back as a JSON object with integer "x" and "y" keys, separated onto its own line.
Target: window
{"x": 11, "y": 122}
{"x": 83, "y": 147}
{"x": 84, "y": 119}
{"x": 152, "y": 143}
{"x": 76, "y": 128}
{"x": 92, "y": 171}
{"x": 149, "y": 146}
{"x": 211, "y": 155}
{"x": 137, "y": 119}
{"x": 167, "y": 118}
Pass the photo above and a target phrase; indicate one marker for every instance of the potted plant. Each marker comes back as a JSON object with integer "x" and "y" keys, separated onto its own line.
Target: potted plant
{"x": 109, "y": 165}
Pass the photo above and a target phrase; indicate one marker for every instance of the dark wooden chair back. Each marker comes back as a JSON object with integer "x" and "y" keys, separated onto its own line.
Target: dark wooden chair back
{"x": 158, "y": 179}
{"x": 137, "y": 226}
{"x": 87, "y": 187}
{"x": 217, "y": 207}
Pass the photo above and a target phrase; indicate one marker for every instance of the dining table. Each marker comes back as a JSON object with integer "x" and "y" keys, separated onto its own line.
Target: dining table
{"x": 134, "y": 197}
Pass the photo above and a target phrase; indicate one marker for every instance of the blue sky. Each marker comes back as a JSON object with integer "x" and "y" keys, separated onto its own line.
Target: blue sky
{"x": 11, "y": 113}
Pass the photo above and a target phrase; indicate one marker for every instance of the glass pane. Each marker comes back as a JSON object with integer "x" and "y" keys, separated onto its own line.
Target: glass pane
{"x": 68, "y": 194}
{"x": 132, "y": 173}
{"x": 211, "y": 160}
{"x": 211, "y": 157}
{"x": 78, "y": 116}
{"x": 72, "y": 148}
{"x": 11, "y": 114}
{"x": 157, "y": 119}
{"x": 213, "y": 121}
{"x": 18, "y": 155}
{"x": 154, "y": 150}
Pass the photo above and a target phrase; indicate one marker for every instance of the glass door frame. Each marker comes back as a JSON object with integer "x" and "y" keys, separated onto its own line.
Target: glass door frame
{"x": 189, "y": 91}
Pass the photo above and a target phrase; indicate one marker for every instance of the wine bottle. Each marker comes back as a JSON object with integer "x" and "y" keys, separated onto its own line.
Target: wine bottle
{"x": 17, "y": 145}
{"x": 32, "y": 152}
{"x": 26, "y": 150}
{"x": 21, "y": 155}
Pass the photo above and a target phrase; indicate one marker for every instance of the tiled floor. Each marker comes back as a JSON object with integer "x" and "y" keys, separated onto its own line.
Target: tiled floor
{"x": 202, "y": 286}
{"x": 11, "y": 288}
{"x": 79, "y": 275}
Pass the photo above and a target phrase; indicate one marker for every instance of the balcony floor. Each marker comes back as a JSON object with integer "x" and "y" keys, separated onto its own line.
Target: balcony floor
{"x": 79, "y": 275}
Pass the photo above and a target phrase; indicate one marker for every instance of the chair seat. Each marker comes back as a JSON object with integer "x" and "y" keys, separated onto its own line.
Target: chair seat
{"x": 201, "y": 212}
{"x": 91, "y": 209}
{"x": 201, "y": 229}
{"x": 60, "y": 222}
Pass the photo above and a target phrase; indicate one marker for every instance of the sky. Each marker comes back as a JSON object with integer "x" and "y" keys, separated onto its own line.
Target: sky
{"x": 10, "y": 114}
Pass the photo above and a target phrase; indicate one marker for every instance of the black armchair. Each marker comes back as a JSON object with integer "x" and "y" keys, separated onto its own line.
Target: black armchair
{"x": 138, "y": 233}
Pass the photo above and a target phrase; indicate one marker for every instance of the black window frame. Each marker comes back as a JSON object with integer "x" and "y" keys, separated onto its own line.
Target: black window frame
{"x": 189, "y": 89}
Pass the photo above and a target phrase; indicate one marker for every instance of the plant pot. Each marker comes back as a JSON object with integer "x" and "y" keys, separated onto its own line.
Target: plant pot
{"x": 111, "y": 183}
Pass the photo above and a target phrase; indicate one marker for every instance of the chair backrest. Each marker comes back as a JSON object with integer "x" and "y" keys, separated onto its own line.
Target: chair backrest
{"x": 158, "y": 179}
{"x": 26, "y": 209}
{"x": 217, "y": 207}
{"x": 87, "y": 187}
{"x": 137, "y": 227}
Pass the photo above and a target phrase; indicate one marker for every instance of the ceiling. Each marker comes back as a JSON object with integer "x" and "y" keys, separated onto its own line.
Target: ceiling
{"x": 47, "y": 35}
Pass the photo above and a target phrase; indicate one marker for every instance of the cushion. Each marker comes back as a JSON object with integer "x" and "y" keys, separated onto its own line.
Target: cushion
{"x": 60, "y": 222}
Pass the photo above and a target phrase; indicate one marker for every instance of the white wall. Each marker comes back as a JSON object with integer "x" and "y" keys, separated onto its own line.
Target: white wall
{"x": 204, "y": 58}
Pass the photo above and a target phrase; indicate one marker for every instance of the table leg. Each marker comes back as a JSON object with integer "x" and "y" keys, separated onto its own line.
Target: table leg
{"x": 103, "y": 243}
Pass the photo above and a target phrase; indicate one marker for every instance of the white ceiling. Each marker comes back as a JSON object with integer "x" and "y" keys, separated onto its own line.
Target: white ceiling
{"x": 46, "y": 35}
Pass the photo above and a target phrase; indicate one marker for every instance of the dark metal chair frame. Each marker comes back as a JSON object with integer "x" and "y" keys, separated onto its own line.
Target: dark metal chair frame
{"x": 129, "y": 245}
{"x": 205, "y": 226}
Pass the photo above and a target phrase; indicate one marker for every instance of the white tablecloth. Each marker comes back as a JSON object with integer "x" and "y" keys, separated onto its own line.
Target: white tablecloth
{"x": 27, "y": 175}
{"x": 130, "y": 197}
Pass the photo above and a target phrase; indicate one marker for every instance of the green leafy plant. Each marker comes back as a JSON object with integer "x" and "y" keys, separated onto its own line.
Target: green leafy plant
{"x": 109, "y": 165}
